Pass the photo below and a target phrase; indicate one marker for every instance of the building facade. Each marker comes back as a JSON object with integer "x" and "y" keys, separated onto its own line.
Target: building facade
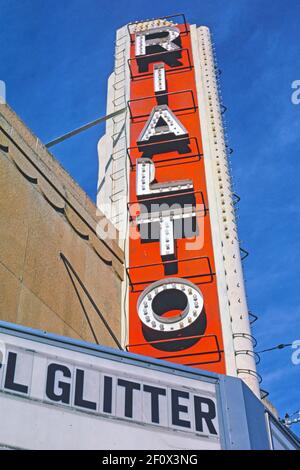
{"x": 56, "y": 273}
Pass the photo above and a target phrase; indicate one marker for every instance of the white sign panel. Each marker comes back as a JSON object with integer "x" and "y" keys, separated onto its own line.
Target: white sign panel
{"x": 99, "y": 402}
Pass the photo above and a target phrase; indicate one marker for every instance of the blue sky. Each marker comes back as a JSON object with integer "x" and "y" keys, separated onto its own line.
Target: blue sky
{"x": 55, "y": 57}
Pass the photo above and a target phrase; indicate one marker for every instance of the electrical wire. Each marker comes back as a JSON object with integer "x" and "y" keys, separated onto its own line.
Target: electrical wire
{"x": 279, "y": 346}
{"x": 295, "y": 413}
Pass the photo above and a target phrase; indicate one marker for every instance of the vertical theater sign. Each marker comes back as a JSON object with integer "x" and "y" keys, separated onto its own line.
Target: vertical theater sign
{"x": 174, "y": 311}
{"x": 184, "y": 300}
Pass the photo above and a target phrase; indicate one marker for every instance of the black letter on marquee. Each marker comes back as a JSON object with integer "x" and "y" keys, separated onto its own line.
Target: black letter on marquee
{"x": 79, "y": 400}
{"x": 207, "y": 416}
{"x": 156, "y": 45}
{"x": 129, "y": 387}
{"x": 107, "y": 395}
{"x": 155, "y": 392}
{"x": 177, "y": 408}
{"x": 10, "y": 375}
{"x": 64, "y": 397}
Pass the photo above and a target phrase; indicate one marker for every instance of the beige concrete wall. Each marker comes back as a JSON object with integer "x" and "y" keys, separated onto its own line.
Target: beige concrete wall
{"x": 56, "y": 274}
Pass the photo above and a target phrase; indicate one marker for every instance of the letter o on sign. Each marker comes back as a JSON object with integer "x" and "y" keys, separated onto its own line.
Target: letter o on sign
{"x": 170, "y": 304}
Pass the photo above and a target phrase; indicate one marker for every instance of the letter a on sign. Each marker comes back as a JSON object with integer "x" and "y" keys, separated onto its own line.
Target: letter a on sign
{"x": 162, "y": 125}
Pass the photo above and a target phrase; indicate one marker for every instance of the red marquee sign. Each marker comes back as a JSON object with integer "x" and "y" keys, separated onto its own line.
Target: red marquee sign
{"x": 173, "y": 301}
